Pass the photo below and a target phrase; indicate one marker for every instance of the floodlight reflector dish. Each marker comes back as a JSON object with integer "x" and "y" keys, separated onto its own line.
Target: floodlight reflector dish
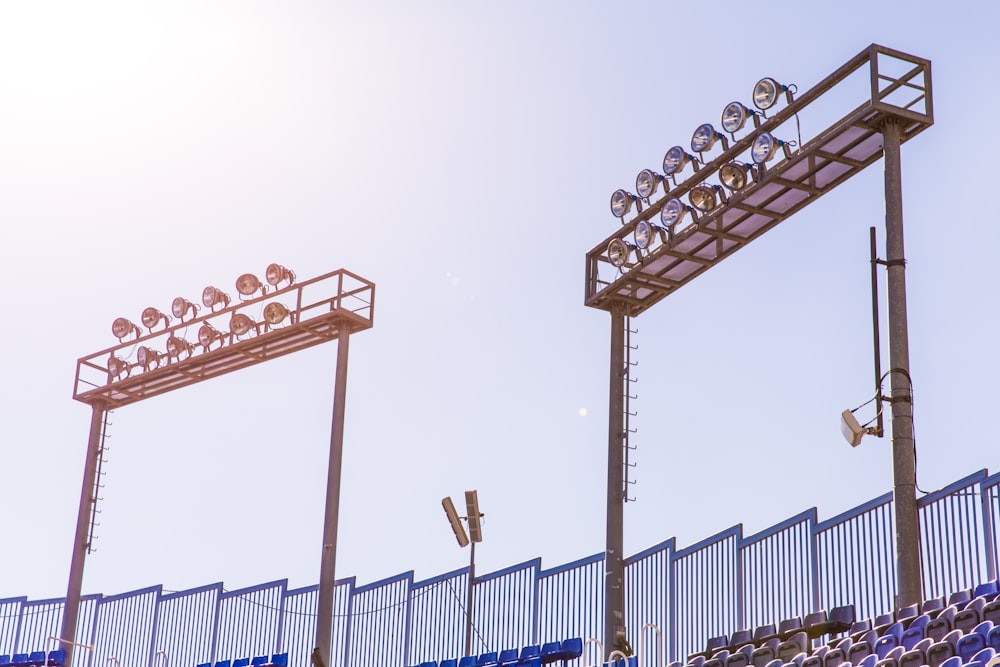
{"x": 734, "y": 175}
{"x": 181, "y": 307}
{"x": 455, "y": 521}
{"x": 734, "y": 117}
{"x": 147, "y": 358}
{"x": 646, "y": 183}
{"x": 618, "y": 252}
{"x": 472, "y": 508}
{"x": 151, "y": 317}
{"x": 177, "y": 346}
{"x": 764, "y": 146}
{"x": 672, "y": 212}
{"x": 276, "y": 274}
{"x": 765, "y": 93}
{"x": 703, "y": 198}
{"x": 704, "y": 138}
{"x": 122, "y": 327}
{"x": 675, "y": 159}
{"x": 211, "y": 296}
{"x": 643, "y": 234}
{"x": 207, "y": 334}
{"x": 240, "y": 324}
{"x": 275, "y": 313}
{"x": 850, "y": 428}
{"x": 248, "y": 284}
{"x": 621, "y": 203}
{"x": 117, "y": 367}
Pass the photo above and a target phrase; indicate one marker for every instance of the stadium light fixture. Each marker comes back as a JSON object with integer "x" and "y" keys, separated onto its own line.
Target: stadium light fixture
{"x": 117, "y": 367}
{"x": 735, "y": 116}
{"x": 621, "y": 203}
{"x": 151, "y": 317}
{"x": 277, "y": 274}
{"x": 736, "y": 175}
{"x": 212, "y": 296}
{"x": 619, "y": 252}
{"x": 647, "y": 181}
{"x": 123, "y": 328}
{"x": 645, "y": 231}
{"x": 147, "y": 358}
{"x": 673, "y": 212}
{"x": 764, "y": 147}
{"x": 766, "y": 91}
{"x": 707, "y": 136}
{"x": 706, "y": 197}
{"x": 248, "y": 285}
{"x": 275, "y": 313}
{"x": 474, "y": 520}
{"x": 241, "y": 324}
{"x": 675, "y": 159}
{"x": 852, "y": 430}
{"x": 178, "y": 348}
{"x": 208, "y": 336}
{"x": 180, "y": 307}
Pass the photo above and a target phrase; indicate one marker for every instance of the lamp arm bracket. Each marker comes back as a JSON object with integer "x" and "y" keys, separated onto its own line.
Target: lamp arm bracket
{"x": 904, "y": 398}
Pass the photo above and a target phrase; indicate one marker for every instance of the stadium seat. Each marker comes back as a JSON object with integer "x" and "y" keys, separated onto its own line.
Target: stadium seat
{"x": 993, "y": 638}
{"x": 932, "y": 606}
{"x": 991, "y": 612}
{"x": 36, "y": 658}
{"x": 791, "y": 647}
{"x": 988, "y": 590}
{"x": 4, "y": 660}
{"x": 720, "y": 659}
{"x": 916, "y": 656}
{"x": 969, "y": 617}
{"x": 906, "y": 614}
{"x": 891, "y": 659}
{"x": 696, "y": 660}
{"x": 450, "y": 662}
{"x": 940, "y": 651}
{"x": 812, "y": 623}
{"x": 245, "y": 662}
{"x": 869, "y": 660}
{"x": 205, "y": 664}
{"x": 740, "y": 638}
{"x": 959, "y": 599}
{"x": 937, "y": 628}
{"x": 973, "y": 642}
{"x": 862, "y": 647}
{"x": 953, "y": 661}
{"x": 789, "y": 627}
{"x": 508, "y": 657}
{"x": 530, "y": 651}
{"x": 915, "y": 631}
{"x": 882, "y": 622}
{"x": 838, "y": 655}
{"x": 765, "y": 633}
{"x": 279, "y": 660}
{"x": 712, "y": 646}
{"x": 984, "y": 656}
{"x": 19, "y": 659}
{"x": 889, "y": 640}
{"x": 571, "y": 649}
{"x": 488, "y": 659}
{"x": 533, "y": 661}
{"x": 815, "y": 659}
{"x": 223, "y": 663}
{"x": 57, "y": 658}
{"x": 468, "y": 661}
{"x": 740, "y": 657}
{"x": 766, "y": 652}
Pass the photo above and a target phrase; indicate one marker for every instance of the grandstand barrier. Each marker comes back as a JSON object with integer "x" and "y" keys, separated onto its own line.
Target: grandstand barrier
{"x": 724, "y": 583}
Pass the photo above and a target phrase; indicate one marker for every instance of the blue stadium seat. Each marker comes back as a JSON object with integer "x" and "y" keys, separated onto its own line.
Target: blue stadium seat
{"x": 19, "y": 659}
{"x": 548, "y": 649}
{"x": 450, "y": 662}
{"x": 57, "y": 658}
{"x": 532, "y": 661}
{"x": 974, "y": 642}
{"x": 507, "y": 657}
{"x": 869, "y": 660}
{"x": 488, "y": 659}
{"x": 36, "y": 658}
{"x": 984, "y": 656}
{"x": 891, "y": 659}
{"x": 940, "y": 651}
{"x": 468, "y": 661}
{"x": 279, "y": 660}
{"x": 4, "y": 660}
{"x": 917, "y": 656}
{"x": 245, "y": 662}
{"x": 889, "y": 640}
{"x": 993, "y": 638}
{"x": 988, "y": 590}
{"x": 531, "y": 651}
{"x": 969, "y": 617}
{"x": 223, "y": 663}
{"x": 915, "y": 632}
{"x": 205, "y": 664}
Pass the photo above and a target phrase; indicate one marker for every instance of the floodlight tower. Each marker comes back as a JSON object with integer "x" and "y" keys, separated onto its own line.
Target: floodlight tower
{"x": 474, "y": 519}
{"x": 295, "y": 316}
{"x": 762, "y": 180}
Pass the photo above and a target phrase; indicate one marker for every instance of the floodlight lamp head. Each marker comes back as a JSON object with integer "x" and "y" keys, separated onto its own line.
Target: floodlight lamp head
{"x": 178, "y": 347}
{"x": 180, "y": 307}
{"x": 117, "y": 367}
{"x": 675, "y": 159}
{"x": 475, "y": 516}
{"x": 736, "y": 175}
{"x": 240, "y": 325}
{"x": 248, "y": 284}
{"x": 673, "y": 212}
{"x": 765, "y": 146}
{"x": 147, "y": 358}
{"x": 735, "y": 116}
{"x": 277, "y": 274}
{"x": 455, "y": 521}
{"x": 705, "y": 137}
{"x": 621, "y": 203}
{"x": 212, "y": 296}
{"x": 646, "y": 183}
{"x": 852, "y": 430}
{"x": 275, "y": 313}
{"x": 705, "y": 197}
{"x": 122, "y": 328}
{"x": 208, "y": 336}
{"x": 151, "y": 317}
{"x": 618, "y": 252}
{"x": 765, "y": 93}
{"x": 643, "y": 233}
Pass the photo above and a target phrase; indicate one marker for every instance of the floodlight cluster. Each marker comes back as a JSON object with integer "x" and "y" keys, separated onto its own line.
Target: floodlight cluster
{"x": 144, "y": 358}
{"x": 734, "y": 176}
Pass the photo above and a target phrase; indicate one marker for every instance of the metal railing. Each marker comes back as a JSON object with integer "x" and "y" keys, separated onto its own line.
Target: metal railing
{"x": 720, "y": 584}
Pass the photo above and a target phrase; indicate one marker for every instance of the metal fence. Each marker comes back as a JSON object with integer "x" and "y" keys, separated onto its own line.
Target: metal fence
{"x": 675, "y": 598}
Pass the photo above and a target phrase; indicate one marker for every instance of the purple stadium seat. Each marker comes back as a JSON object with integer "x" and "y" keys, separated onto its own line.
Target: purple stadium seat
{"x": 815, "y": 659}
{"x": 959, "y": 599}
{"x": 940, "y": 651}
{"x": 916, "y": 656}
{"x": 988, "y": 590}
{"x": 915, "y": 632}
{"x": 765, "y": 653}
{"x": 740, "y": 657}
{"x": 969, "y": 617}
{"x": 889, "y": 640}
{"x": 932, "y": 606}
{"x": 838, "y": 655}
{"x": 789, "y": 627}
{"x": 993, "y": 638}
{"x": 740, "y": 638}
{"x": 720, "y": 659}
{"x": 797, "y": 643}
{"x": 862, "y": 647}
{"x": 868, "y": 661}
{"x": 974, "y": 642}
{"x": 891, "y": 658}
{"x": 937, "y": 628}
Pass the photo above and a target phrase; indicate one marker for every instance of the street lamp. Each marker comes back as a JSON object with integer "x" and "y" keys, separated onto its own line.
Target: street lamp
{"x": 893, "y": 105}
{"x": 474, "y": 519}
{"x": 328, "y": 307}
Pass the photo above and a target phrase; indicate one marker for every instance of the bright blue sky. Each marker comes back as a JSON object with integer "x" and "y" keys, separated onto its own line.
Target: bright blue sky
{"x": 461, "y": 156}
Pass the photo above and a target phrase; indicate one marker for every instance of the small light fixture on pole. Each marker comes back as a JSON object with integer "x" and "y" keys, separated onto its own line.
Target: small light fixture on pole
{"x": 476, "y": 534}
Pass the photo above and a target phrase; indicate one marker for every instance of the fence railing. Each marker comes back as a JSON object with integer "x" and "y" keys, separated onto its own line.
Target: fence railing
{"x": 723, "y": 583}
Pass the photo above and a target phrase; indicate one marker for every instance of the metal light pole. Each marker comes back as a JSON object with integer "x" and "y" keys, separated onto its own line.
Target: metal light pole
{"x": 473, "y": 518}
{"x": 614, "y": 563}
{"x": 297, "y": 315}
{"x": 903, "y": 452}
{"x": 328, "y": 559}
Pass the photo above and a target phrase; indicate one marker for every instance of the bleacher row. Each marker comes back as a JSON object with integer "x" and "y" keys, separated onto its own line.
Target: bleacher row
{"x": 963, "y": 633}
{"x": 533, "y": 655}
{"x": 276, "y": 660}
{"x": 34, "y": 659}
